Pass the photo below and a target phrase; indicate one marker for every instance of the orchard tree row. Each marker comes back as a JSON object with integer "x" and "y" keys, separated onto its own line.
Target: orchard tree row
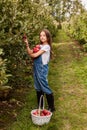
{"x": 18, "y": 17}
{"x": 77, "y": 28}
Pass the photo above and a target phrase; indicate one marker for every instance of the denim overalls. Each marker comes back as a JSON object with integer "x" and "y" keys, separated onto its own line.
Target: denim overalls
{"x": 40, "y": 76}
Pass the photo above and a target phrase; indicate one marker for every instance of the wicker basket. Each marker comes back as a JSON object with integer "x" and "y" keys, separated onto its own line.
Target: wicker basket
{"x": 40, "y": 120}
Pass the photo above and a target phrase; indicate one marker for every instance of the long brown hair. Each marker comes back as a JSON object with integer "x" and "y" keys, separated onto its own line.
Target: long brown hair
{"x": 49, "y": 39}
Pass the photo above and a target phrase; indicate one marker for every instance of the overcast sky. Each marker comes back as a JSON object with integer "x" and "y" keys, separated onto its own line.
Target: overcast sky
{"x": 84, "y": 2}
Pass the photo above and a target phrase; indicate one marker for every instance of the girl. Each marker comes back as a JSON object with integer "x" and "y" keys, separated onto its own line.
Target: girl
{"x": 40, "y": 67}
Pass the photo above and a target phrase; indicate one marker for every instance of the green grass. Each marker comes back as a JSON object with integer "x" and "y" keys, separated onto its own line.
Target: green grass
{"x": 66, "y": 72}
{"x": 61, "y": 37}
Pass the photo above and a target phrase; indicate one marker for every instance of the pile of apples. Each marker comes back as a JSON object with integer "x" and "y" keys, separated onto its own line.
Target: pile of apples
{"x": 36, "y": 48}
{"x": 43, "y": 112}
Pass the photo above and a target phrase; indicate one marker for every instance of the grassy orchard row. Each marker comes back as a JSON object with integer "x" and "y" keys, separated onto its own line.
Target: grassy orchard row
{"x": 77, "y": 28}
{"x": 70, "y": 91}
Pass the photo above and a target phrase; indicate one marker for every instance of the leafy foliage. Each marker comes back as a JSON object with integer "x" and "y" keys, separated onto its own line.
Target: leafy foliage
{"x": 77, "y": 28}
{"x": 18, "y": 17}
{"x": 3, "y": 76}
{"x": 19, "y": 65}
{"x": 63, "y": 8}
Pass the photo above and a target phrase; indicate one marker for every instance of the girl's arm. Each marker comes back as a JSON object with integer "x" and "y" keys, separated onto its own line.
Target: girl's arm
{"x": 34, "y": 55}
{"x": 30, "y": 52}
{"x": 27, "y": 46}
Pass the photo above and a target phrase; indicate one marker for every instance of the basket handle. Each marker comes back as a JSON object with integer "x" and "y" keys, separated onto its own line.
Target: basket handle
{"x": 41, "y": 97}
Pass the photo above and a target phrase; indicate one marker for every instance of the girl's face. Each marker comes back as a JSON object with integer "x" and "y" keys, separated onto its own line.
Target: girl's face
{"x": 43, "y": 37}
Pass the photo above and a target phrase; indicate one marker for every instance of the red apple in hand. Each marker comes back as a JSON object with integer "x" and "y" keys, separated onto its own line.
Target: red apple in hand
{"x": 24, "y": 37}
{"x": 36, "y": 48}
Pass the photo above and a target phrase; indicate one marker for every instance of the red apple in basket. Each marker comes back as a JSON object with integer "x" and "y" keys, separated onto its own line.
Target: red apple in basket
{"x": 46, "y": 112}
{"x": 42, "y": 114}
{"x": 36, "y": 112}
